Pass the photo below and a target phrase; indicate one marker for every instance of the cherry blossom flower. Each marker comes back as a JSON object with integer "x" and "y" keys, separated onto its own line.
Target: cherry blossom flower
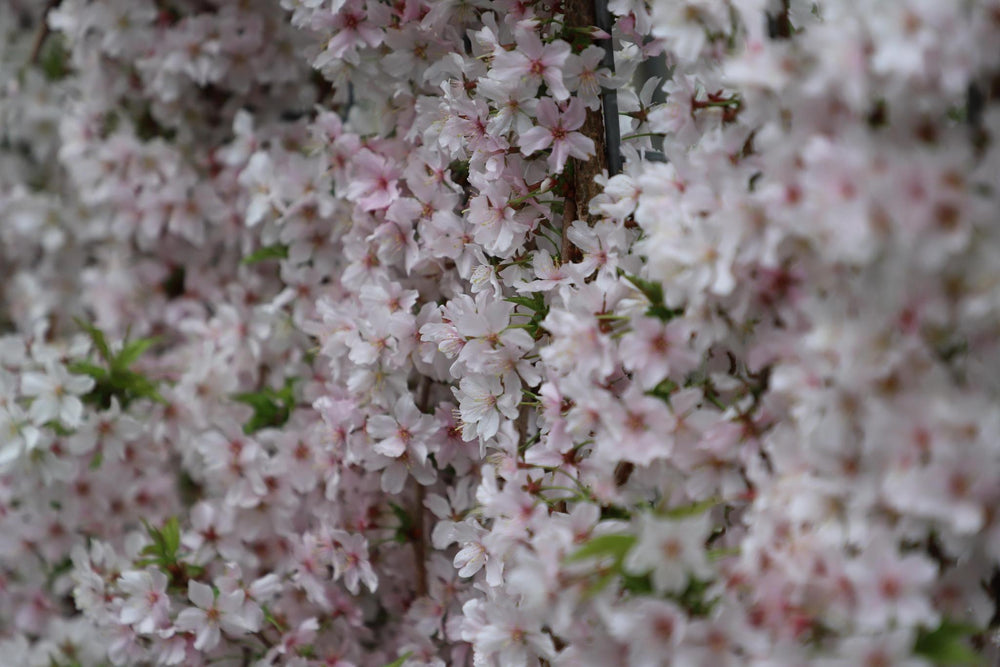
{"x": 148, "y": 603}
{"x": 350, "y": 561}
{"x": 672, "y": 550}
{"x": 407, "y": 429}
{"x": 534, "y": 61}
{"x": 556, "y": 130}
{"x": 212, "y": 615}
{"x": 56, "y": 395}
{"x": 737, "y": 408}
{"x": 483, "y": 402}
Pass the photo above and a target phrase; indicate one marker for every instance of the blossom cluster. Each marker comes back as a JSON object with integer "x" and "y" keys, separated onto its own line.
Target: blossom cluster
{"x": 331, "y": 332}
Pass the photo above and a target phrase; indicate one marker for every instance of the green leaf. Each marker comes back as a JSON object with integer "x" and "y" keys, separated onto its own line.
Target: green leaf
{"x": 278, "y": 251}
{"x": 694, "y": 509}
{"x": 641, "y": 584}
{"x": 654, "y": 292}
{"x": 947, "y": 644}
{"x": 536, "y": 302}
{"x": 116, "y": 380}
{"x": 398, "y": 662}
{"x": 661, "y": 312}
{"x": 600, "y": 583}
{"x": 615, "y": 546}
{"x": 693, "y": 597}
{"x": 132, "y": 350}
{"x": 54, "y": 58}
{"x": 459, "y": 172}
{"x": 522, "y": 301}
{"x": 166, "y": 543}
{"x": 271, "y": 407}
{"x": 405, "y": 523}
{"x": 722, "y": 552}
{"x": 171, "y": 532}
{"x": 270, "y": 618}
{"x": 651, "y": 290}
{"x": 663, "y": 390}
{"x": 87, "y": 368}
{"x": 97, "y": 337}
{"x": 58, "y": 428}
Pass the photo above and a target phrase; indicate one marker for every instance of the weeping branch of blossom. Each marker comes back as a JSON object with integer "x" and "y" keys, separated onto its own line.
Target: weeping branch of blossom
{"x": 431, "y": 333}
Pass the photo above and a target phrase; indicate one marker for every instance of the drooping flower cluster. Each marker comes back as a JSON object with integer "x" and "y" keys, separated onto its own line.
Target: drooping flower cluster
{"x": 315, "y": 348}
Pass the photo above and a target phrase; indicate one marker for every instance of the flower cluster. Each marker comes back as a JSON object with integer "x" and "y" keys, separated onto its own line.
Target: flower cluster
{"x": 332, "y": 334}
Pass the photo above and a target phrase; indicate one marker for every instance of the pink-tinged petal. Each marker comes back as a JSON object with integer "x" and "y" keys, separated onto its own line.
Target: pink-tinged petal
{"x": 554, "y": 80}
{"x": 509, "y": 65}
{"x": 391, "y": 447}
{"x": 259, "y": 206}
{"x": 381, "y": 426}
{"x": 575, "y": 115}
{"x": 504, "y": 236}
{"x": 79, "y": 384}
{"x": 393, "y": 478}
{"x": 132, "y": 611}
{"x": 372, "y": 35}
{"x": 470, "y": 559}
{"x": 494, "y": 571}
{"x": 368, "y": 163}
{"x": 580, "y": 146}
{"x": 548, "y": 112}
{"x": 560, "y": 153}
{"x": 369, "y": 577}
{"x": 190, "y": 620}
{"x": 335, "y": 48}
{"x": 44, "y": 408}
{"x": 232, "y": 602}
{"x": 489, "y": 425}
{"x": 208, "y": 638}
{"x": 34, "y": 384}
{"x": 159, "y": 580}
{"x": 535, "y": 139}
{"x": 71, "y": 411}
{"x": 530, "y": 45}
{"x": 556, "y": 54}
{"x": 201, "y": 594}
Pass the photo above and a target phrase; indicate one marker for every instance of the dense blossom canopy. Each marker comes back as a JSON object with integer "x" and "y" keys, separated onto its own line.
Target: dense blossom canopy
{"x": 331, "y": 332}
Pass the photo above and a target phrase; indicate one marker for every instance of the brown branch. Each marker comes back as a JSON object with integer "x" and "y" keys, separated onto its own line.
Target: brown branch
{"x": 568, "y": 251}
{"x": 522, "y": 422}
{"x": 43, "y": 32}
{"x": 581, "y": 14}
{"x": 420, "y": 543}
{"x": 419, "y": 532}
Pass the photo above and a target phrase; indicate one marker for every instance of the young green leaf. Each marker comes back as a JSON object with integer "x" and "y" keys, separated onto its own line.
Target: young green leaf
{"x": 615, "y": 546}
{"x": 271, "y": 407}
{"x": 131, "y": 351}
{"x": 278, "y": 251}
{"x": 398, "y": 662}
{"x": 948, "y": 644}
{"x": 694, "y": 509}
{"x": 97, "y": 337}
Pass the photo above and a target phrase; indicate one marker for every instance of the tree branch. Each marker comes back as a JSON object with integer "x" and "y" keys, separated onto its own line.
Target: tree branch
{"x": 600, "y": 126}
{"x": 419, "y": 524}
{"x": 43, "y": 32}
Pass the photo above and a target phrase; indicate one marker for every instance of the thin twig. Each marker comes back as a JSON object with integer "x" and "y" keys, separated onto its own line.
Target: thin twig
{"x": 43, "y": 33}
{"x": 609, "y": 96}
{"x": 566, "y": 252}
{"x": 419, "y": 524}
{"x": 584, "y": 14}
{"x": 420, "y": 543}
